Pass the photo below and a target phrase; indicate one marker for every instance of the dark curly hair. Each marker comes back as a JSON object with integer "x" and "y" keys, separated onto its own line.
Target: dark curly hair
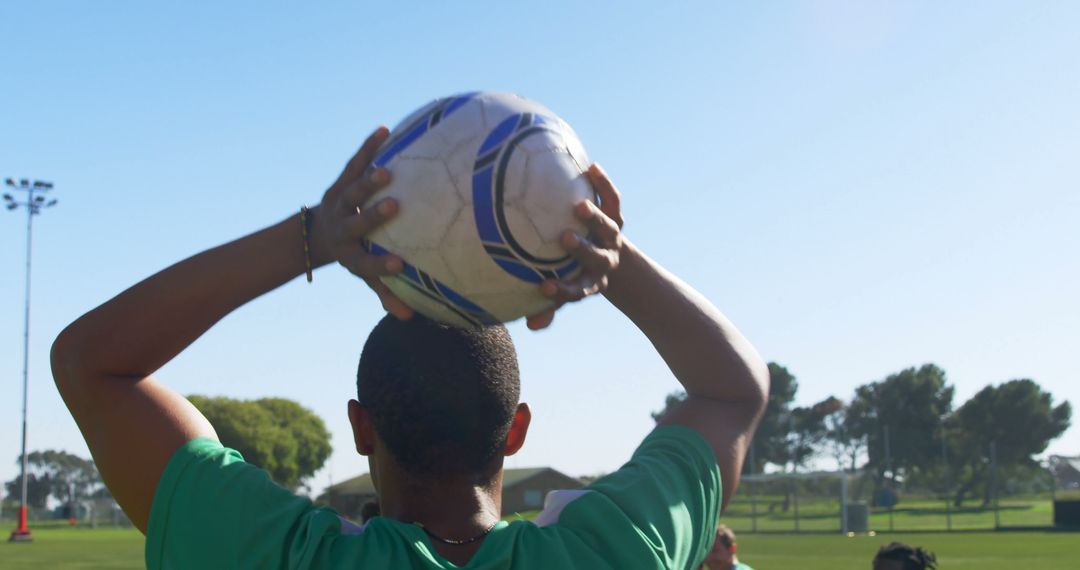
{"x": 912, "y": 557}
{"x": 442, "y": 398}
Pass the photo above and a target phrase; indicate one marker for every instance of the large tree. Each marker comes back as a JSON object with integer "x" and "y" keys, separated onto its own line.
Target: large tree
{"x": 279, "y": 435}
{"x": 910, "y": 407}
{"x": 809, "y": 430}
{"x": 57, "y": 474}
{"x": 1017, "y": 417}
{"x": 771, "y": 443}
{"x": 842, "y": 440}
{"x": 37, "y": 490}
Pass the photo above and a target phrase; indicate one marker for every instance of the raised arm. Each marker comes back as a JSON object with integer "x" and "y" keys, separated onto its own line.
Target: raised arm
{"x": 103, "y": 361}
{"x": 726, "y": 381}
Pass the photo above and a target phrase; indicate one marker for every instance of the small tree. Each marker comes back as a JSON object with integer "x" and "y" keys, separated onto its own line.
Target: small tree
{"x": 771, "y": 438}
{"x": 281, "y": 436}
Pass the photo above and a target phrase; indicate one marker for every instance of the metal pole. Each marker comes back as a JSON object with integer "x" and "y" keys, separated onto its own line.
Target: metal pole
{"x": 948, "y": 486}
{"x": 843, "y": 503}
{"x": 753, "y": 491}
{"x": 23, "y": 533}
{"x": 795, "y": 482}
{"x": 994, "y": 484}
{"x": 888, "y": 467}
{"x": 1053, "y": 485}
{"x": 34, "y": 205}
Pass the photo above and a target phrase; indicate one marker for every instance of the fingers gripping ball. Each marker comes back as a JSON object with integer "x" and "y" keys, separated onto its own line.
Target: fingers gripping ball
{"x": 487, "y": 184}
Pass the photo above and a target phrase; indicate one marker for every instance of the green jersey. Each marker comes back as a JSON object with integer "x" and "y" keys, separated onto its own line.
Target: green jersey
{"x": 213, "y": 510}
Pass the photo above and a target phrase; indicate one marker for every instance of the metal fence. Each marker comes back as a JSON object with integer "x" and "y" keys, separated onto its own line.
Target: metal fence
{"x": 93, "y": 513}
{"x": 835, "y": 502}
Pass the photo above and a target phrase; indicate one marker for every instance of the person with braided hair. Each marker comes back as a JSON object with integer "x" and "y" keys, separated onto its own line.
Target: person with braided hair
{"x": 901, "y": 556}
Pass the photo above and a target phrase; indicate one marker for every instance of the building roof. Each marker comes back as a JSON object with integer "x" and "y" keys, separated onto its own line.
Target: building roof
{"x": 512, "y": 477}
{"x": 362, "y": 484}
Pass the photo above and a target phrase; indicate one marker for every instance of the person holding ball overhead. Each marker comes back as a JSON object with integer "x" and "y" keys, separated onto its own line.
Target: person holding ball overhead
{"x": 435, "y": 429}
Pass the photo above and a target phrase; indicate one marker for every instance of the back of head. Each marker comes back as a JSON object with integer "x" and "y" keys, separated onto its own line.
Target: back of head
{"x": 725, "y": 536}
{"x": 910, "y": 557}
{"x": 442, "y": 398}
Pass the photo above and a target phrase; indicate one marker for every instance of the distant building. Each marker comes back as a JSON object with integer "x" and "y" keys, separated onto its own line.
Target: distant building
{"x": 349, "y": 496}
{"x": 523, "y": 490}
{"x": 1066, "y": 471}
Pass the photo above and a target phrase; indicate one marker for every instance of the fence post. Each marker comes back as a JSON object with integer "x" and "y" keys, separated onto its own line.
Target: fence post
{"x": 843, "y": 501}
{"x": 795, "y": 484}
{"x": 888, "y": 467}
{"x": 1053, "y": 484}
{"x": 753, "y": 492}
{"x": 994, "y": 484}
{"x": 948, "y": 486}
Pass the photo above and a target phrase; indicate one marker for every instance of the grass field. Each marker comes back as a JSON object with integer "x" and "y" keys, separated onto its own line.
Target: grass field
{"x": 76, "y": 548}
{"x": 63, "y": 548}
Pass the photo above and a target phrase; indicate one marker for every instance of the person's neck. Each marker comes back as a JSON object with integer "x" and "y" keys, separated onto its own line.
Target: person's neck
{"x": 457, "y": 509}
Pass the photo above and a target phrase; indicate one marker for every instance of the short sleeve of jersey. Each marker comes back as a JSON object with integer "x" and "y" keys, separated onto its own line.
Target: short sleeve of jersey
{"x": 213, "y": 510}
{"x": 661, "y": 506}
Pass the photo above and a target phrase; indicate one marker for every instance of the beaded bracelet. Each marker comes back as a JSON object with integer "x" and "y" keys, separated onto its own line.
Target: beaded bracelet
{"x": 305, "y": 232}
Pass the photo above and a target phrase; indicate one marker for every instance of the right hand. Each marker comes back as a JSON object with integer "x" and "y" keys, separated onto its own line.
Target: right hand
{"x": 598, "y": 253}
{"x": 341, "y": 222}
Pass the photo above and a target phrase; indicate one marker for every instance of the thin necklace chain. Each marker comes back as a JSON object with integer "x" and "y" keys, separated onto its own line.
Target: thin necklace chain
{"x": 456, "y": 542}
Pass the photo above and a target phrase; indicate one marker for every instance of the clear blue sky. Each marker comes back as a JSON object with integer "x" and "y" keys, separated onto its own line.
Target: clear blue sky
{"x": 861, "y": 189}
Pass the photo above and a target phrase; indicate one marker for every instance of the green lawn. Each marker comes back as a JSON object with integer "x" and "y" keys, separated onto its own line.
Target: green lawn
{"x": 62, "y": 548}
{"x": 955, "y": 551}
{"x": 908, "y": 516}
{"x": 81, "y": 548}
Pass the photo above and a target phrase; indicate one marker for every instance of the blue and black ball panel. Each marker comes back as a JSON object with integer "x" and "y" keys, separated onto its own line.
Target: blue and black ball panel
{"x": 405, "y": 136}
{"x": 489, "y": 189}
{"x": 437, "y": 291}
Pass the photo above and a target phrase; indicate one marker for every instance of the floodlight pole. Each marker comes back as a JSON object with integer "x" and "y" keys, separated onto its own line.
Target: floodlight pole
{"x": 33, "y": 204}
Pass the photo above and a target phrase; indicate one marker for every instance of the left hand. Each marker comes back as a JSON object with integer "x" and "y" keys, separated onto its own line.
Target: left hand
{"x": 598, "y": 253}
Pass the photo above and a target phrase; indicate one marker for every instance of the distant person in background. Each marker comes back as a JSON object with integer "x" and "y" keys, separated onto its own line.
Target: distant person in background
{"x": 369, "y": 511}
{"x": 900, "y": 556}
{"x": 722, "y": 556}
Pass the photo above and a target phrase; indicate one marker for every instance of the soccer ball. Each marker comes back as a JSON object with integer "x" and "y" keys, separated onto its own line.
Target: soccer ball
{"x": 487, "y": 183}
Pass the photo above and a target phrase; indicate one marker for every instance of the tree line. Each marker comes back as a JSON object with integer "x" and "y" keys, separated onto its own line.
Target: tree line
{"x": 288, "y": 440}
{"x": 902, "y": 430}
{"x": 905, "y": 430}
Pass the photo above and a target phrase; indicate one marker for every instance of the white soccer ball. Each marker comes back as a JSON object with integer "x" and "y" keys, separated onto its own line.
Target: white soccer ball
{"x": 487, "y": 183}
